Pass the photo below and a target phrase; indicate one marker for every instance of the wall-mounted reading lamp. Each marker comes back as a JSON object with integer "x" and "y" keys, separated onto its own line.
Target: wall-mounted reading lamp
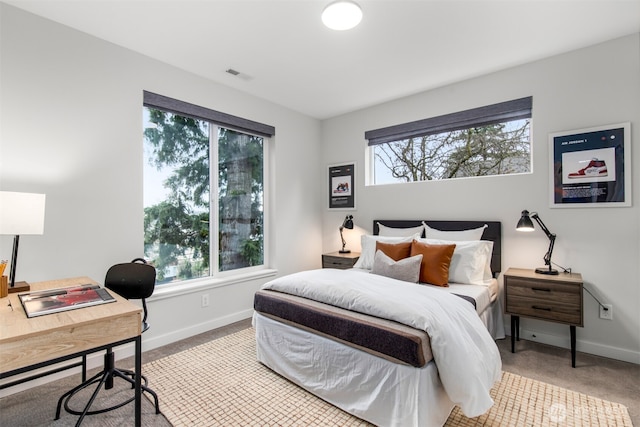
{"x": 525, "y": 224}
{"x": 347, "y": 223}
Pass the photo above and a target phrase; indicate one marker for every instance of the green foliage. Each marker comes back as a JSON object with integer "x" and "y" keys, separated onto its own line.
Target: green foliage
{"x": 252, "y": 251}
{"x": 177, "y": 229}
{"x": 173, "y": 232}
{"x": 181, "y": 143}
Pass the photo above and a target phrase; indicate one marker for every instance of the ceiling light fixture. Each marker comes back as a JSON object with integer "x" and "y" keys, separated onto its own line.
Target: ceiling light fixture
{"x": 342, "y": 15}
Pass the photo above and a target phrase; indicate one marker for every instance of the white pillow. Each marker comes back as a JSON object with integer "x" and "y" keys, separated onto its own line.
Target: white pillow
{"x": 454, "y": 236}
{"x": 471, "y": 261}
{"x": 383, "y": 230}
{"x": 368, "y": 251}
{"x": 407, "y": 269}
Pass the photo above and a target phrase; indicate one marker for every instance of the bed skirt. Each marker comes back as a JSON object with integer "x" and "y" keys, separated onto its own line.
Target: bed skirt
{"x": 493, "y": 319}
{"x": 370, "y": 387}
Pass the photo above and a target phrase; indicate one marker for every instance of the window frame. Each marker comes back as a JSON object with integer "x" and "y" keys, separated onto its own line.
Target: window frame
{"x": 507, "y": 111}
{"x": 214, "y": 205}
{"x": 216, "y": 121}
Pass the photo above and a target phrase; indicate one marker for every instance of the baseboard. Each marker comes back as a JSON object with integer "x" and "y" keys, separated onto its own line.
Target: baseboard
{"x": 173, "y": 336}
{"x": 563, "y": 341}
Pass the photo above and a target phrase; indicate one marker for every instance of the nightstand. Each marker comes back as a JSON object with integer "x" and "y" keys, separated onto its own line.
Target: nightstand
{"x": 554, "y": 298}
{"x": 338, "y": 260}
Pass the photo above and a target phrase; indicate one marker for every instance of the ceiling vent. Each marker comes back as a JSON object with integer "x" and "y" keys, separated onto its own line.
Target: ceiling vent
{"x": 238, "y": 74}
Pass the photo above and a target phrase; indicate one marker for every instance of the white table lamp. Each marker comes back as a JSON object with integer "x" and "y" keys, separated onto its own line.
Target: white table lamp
{"x": 20, "y": 214}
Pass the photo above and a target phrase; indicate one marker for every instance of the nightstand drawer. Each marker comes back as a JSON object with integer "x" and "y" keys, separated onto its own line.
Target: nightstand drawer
{"x": 329, "y": 262}
{"x": 340, "y": 261}
{"x": 545, "y": 309}
{"x": 555, "y": 292}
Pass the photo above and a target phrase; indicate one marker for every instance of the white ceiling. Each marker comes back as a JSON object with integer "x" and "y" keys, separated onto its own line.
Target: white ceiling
{"x": 287, "y": 56}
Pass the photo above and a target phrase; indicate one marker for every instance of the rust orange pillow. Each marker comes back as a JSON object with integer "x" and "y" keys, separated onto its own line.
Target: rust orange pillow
{"x": 435, "y": 262}
{"x": 395, "y": 251}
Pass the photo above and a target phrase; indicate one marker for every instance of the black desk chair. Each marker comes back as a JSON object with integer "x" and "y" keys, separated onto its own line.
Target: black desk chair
{"x": 133, "y": 280}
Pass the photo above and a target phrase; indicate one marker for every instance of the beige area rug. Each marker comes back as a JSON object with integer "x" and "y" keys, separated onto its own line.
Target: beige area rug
{"x": 220, "y": 383}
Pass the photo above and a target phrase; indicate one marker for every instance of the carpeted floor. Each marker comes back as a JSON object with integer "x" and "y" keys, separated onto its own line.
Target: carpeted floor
{"x": 36, "y": 407}
{"x": 594, "y": 376}
{"x": 220, "y": 383}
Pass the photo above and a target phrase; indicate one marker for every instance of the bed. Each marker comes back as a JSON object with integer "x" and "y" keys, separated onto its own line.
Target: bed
{"x": 387, "y": 350}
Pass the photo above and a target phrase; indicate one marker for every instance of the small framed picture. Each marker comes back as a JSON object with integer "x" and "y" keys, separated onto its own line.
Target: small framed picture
{"x": 591, "y": 167}
{"x": 342, "y": 192}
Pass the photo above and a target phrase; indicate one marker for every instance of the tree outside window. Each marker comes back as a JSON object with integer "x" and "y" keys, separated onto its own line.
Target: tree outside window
{"x": 488, "y": 140}
{"x": 497, "y": 149}
{"x": 185, "y": 158}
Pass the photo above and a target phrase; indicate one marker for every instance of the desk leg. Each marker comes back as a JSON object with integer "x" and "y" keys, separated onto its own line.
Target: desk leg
{"x": 573, "y": 346}
{"x": 84, "y": 367}
{"x": 138, "y": 381}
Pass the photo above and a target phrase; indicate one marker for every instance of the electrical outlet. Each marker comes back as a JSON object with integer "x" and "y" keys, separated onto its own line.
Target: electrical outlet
{"x": 606, "y": 314}
{"x": 205, "y": 300}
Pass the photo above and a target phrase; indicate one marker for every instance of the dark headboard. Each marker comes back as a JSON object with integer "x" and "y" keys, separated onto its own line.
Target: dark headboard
{"x": 493, "y": 232}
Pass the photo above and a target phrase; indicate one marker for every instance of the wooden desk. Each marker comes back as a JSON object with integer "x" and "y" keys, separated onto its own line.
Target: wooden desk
{"x": 27, "y": 344}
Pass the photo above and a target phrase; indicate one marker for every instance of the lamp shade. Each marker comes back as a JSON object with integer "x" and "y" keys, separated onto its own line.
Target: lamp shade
{"x": 525, "y": 223}
{"x": 21, "y": 213}
{"x": 342, "y": 15}
{"x": 348, "y": 222}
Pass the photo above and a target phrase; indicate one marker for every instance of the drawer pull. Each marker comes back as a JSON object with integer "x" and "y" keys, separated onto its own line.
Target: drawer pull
{"x": 542, "y": 289}
{"x": 535, "y": 307}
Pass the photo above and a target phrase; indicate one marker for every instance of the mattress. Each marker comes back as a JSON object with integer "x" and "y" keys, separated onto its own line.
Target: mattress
{"x": 483, "y": 295}
{"x": 381, "y": 337}
{"x": 385, "y": 338}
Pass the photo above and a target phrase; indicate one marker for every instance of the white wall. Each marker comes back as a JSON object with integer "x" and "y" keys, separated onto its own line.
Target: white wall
{"x": 595, "y": 86}
{"x": 71, "y": 127}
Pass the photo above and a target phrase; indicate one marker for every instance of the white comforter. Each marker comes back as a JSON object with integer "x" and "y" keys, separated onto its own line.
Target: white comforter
{"x": 467, "y": 358}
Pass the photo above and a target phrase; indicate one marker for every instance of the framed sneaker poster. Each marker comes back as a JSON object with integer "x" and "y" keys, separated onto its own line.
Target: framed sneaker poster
{"x": 590, "y": 167}
{"x": 341, "y": 186}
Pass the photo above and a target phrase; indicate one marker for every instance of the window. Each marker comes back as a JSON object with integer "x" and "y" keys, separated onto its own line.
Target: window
{"x": 490, "y": 140}
{"x": 204, "y": 190}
